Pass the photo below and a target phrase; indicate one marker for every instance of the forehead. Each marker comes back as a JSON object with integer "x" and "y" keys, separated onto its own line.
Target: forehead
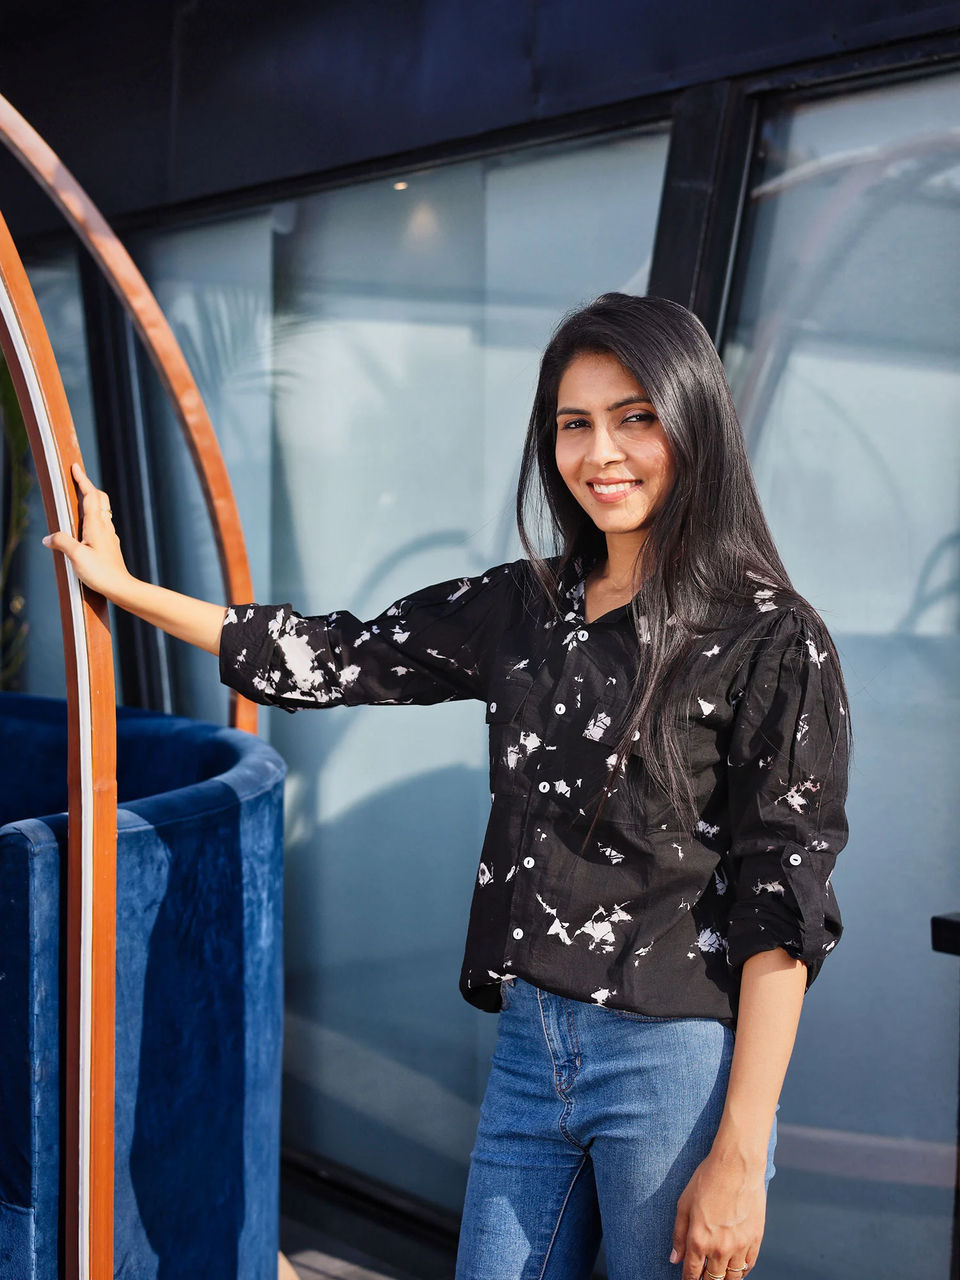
{"x": 598, "y": 375}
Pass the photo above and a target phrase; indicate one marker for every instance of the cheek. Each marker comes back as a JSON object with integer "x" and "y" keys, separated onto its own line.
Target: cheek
{"x": 661, "y": 463}
{"x": 565, "y": 456}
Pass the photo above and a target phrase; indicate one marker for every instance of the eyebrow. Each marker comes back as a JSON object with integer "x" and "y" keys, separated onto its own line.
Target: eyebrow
{"x": 620, "y": 404}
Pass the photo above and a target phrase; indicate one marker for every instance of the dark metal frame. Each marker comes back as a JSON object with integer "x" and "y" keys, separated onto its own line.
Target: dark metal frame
{"x": 714, "y": 128}
{"x": 115, "y": 391}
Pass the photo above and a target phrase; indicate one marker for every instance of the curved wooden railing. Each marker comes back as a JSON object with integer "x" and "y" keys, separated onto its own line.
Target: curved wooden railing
{"x": 91, "y": 700}
{"x": 23, "y": 141}
{"x": 92, "y": 783}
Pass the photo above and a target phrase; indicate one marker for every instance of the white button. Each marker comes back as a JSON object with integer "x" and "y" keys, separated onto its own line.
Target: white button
{"x": 559, "y": 708}
{"x": 493, "y": 706}
{"x": 528, "y": 863}
{"x": 518, "y": 934}
{"x": 544, "y": 786}
{"x": 795, "y": 859}
{"x": 636, "y": 735}
{"x": 583, "y": 635}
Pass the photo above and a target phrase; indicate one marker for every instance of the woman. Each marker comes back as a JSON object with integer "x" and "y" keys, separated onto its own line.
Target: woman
{"x": 669, "y": 743}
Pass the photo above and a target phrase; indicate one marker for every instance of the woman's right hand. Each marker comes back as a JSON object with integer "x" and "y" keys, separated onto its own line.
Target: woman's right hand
{"x": 97, "y": 557}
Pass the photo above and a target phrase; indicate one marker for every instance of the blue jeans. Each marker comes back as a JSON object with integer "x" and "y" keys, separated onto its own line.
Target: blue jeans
{"x": 593, "y": 1120}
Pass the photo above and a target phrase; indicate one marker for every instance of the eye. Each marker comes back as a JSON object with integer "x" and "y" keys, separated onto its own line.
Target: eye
{"x": 574, "y": 422}
{"x": 640, "y": 417}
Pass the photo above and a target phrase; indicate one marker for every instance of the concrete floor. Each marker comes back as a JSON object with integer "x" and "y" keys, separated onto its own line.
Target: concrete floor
{"x": 317, "y": 1253}
{"x": 315, "y": 1256}
{"x": 313, "y": 1264}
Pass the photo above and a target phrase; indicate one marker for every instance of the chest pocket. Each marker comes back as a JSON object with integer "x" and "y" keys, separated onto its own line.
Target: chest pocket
{"x": 508, "y": 691}
{"x": 518, "y": 660}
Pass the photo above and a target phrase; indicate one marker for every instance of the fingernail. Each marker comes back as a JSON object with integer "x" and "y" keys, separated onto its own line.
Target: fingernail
{"x": 674, "y": 1256}
{"x": 46, "y": 540}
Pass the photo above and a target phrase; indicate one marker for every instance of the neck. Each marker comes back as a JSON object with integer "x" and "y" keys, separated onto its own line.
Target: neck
{"x": 619, "y": 572}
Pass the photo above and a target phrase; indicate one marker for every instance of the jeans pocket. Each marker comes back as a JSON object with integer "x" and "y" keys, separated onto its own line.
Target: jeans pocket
{"x": 641, "y": 1017}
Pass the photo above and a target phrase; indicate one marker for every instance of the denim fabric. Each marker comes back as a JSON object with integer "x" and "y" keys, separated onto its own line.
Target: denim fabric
{"x": 594, "y": 1119}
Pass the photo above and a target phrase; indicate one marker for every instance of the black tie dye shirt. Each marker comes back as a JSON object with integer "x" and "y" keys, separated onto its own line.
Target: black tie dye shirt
{"x": 643, "y": 919}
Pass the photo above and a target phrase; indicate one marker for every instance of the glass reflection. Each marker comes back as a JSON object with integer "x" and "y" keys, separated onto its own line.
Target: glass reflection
{"x": 369, "y": 355}
{"x": 842, "y": 353}
{"x": 55, "y": 280}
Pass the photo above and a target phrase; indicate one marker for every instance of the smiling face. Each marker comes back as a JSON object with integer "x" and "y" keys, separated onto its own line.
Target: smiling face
{"x": 611, "y": 450}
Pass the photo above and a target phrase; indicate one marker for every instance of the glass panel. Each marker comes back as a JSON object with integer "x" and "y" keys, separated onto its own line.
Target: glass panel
{"x": 842, "y": 351}
{"x": 33, "y": 586}
{"x": 213, "y": 283}
{"x": 400, "y": 355}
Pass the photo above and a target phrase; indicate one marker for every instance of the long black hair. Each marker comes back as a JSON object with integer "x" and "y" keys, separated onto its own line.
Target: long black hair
{"x": 708, "y": 549}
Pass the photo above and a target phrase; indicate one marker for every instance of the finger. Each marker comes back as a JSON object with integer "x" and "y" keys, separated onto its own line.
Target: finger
{"x": 97, "y": 504}
{"x": 680, "y": 1227}
{"x": 61, "y": 541}
{"x": 93, "y": 501}
{"x": 82, "y": 479}
{"x": 95, "y": 511}
{"x": 693, "y": 1263}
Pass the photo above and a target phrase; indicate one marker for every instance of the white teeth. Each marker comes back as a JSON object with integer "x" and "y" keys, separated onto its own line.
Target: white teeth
{"x": 614, "y": 488}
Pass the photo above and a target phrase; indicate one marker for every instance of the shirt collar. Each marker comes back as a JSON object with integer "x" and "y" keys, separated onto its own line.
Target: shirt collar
{"x": 572, "y": 587}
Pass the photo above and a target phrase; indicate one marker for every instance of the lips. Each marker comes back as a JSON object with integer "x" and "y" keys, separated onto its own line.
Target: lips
{"x": 611, "y": 490}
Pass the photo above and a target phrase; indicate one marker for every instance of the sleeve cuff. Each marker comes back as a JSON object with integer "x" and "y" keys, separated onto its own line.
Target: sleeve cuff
{"x": 247, "y": 639}
{"x": 786, "y": 902}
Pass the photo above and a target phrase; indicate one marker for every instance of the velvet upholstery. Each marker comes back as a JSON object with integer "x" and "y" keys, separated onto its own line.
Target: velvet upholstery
{"x": 199, "y": 995}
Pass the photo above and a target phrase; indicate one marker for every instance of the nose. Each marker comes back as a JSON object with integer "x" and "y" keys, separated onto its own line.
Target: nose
{"x": 603, "y": 447}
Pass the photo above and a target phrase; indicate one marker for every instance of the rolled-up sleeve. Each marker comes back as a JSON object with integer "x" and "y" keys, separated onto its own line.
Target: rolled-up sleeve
{"x": 431, "y": 646}
{"x": 787, "y": 776}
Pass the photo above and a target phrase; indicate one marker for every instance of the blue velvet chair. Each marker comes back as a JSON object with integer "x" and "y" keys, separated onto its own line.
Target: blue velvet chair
{"x": 199, "y": 995}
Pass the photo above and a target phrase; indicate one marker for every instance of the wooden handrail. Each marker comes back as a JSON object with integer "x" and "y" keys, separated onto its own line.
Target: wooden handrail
{"x": 23, "y": 141}
{"x": 88, "y": 1130}
{"x": 91, "y": 870}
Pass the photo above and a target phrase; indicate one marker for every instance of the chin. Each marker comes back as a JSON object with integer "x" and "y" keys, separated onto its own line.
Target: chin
{"x": 616, "y": 522}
